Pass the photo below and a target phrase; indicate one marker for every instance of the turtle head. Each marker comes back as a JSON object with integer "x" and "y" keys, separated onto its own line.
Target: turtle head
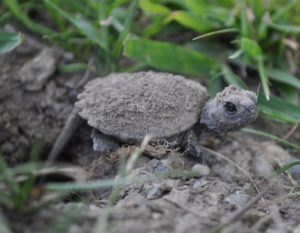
{"x": 231, "y": 109}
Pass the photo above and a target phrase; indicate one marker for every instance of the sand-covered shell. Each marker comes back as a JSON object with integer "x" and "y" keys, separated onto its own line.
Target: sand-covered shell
{"x": 130, "y": 105}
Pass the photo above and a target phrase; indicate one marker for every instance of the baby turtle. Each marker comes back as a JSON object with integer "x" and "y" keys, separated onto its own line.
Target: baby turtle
{"x": 124, "y": 107}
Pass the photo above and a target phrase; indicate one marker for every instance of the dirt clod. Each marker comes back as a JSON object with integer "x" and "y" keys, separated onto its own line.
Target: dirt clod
{"x": 36, "y": 72}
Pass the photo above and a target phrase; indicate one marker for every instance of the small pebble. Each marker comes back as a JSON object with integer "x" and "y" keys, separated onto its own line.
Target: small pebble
{"x": 200, "y": 170}
{"x": 154, "y": 193}
{"x": 158, "y": 191}
{"x": 237, "y": 199}
{"x": 161, "y": 169}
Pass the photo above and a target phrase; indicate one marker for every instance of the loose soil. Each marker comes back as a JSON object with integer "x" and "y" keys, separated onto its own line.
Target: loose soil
{"x": 34, "y": 111}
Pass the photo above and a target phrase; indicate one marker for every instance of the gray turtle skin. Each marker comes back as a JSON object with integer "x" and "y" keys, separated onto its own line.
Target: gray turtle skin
{"x": 124, "y": 107}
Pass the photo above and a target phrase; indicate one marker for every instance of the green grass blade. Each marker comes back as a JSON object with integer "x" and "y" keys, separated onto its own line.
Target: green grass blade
{"x": 134, "y": 68}
{"x": 156, "y": 26}
{"x": 5, "y": 199}
{"x": 209, "y": 48}
{"x": 70, "y": 187}
{"x": 128, "y": 23}
{"x": 263, "y": 78}
{"x": 257, "y": 6}
{"x": 26, "y": 168}
{"x": 275, "y": 116}
{"x": 21, "y": 198}
{"x": 232, "y": 78}
{"x": 286, "y": 167}
{"x": 114, "y": 4}
{"x": 73, "y": 68}
{"x": 251, "y": 49}
{"x": 191, "y": 21}
{"x": 198, "y": 7}
{"x": 218, "y": 32}
{"x": 283, "y": 11}
{"x": 74, "y": 6}
{"x": 283, "y": 77}
{"x": 214, "y": 84}
{"x": 217, "y": 13}
{"x": 56, "y": 17}
{"x": 150, "y": 7}
{"x": 5, "y": 18}
{"x": 279, "y": 109}
{"x": 290, "y": 94}
{"x": 286, "y": 28}
{"x": 254, "y": 52}
{"x": 236, "y": 54}
{"x": 15, "y": 8}
{"x": 3, "y": 224}
{"x": 277, "y": 75}
{"x": 244, "y": 27}
{"x": 271, "y": 136}
{"x": 169, "y": 57}
{"x": 101, "y": 8}
{"x": 7, "y": 176}
{"x": 81, "y": 24}
{"x": 9, "y": 41}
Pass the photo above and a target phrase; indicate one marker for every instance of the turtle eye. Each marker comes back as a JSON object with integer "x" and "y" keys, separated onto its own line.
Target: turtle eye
{"x": 230, "y": 107}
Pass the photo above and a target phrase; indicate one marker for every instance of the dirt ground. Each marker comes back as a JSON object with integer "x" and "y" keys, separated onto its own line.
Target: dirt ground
{"x": 34, "y": 110}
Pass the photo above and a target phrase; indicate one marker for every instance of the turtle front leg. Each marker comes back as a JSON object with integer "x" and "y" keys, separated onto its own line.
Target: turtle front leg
{"x": 193, "y": 147}
{"x": 103, "y": 143}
